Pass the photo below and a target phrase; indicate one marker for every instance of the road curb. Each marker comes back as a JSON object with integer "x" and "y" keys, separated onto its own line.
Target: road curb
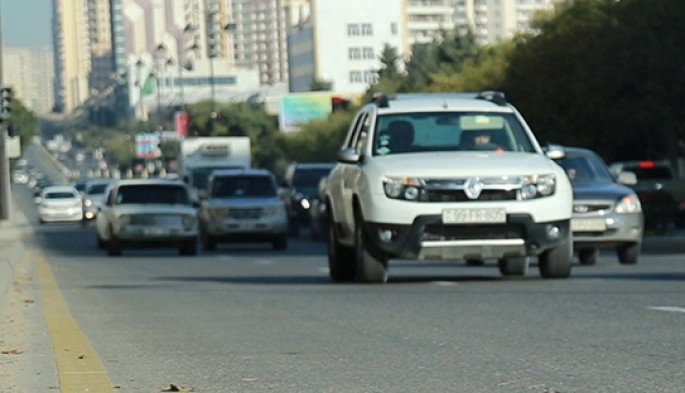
{"x": 12, "y": 246}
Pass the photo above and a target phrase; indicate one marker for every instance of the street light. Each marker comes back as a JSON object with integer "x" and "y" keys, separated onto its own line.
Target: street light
{"x": 141, "y": 83}
{"x": 160, "y": 61}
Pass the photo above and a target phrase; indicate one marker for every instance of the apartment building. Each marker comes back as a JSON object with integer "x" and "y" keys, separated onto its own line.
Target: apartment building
{"x": 31, "y": 75}
{"x": 340, "y": 42}
{"x": 100, "y": 36}
{"x": 497, "y": 20}
{"x": 72, "y": 55}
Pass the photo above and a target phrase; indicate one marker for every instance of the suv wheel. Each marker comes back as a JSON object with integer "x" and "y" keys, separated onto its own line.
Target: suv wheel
{"x": 114, "y": 246}
{"x": 513, "y": 266}
{"x": 208, "y": 241}
{"x": 629, "y": 253}
{"x": 372, "y": 263}
{"x": 189, "y": 248}
{"x": 341, "y": 264}
{"x": 588, "y": 256}
{"x": 280, "y": 242}
{"x": 556, "y": 263}
{"x": 102, "y": 245}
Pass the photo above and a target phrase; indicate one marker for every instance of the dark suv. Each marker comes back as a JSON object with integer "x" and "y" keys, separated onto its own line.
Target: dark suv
{"x": 301, "y": 182}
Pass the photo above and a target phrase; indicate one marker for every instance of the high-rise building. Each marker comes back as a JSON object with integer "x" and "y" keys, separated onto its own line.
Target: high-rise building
{"x": 31, "y": 75}
{"x": 340, "y": 42}
{"x": 100, "y": 33}
{"x": 72, "y": 55}
{"x": 426, "y": 21}
{"x": 496, "y": 20}
{"x": 260, "y": 35}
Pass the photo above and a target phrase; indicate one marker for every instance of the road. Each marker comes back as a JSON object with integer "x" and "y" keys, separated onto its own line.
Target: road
{"x": 249, "y": 319}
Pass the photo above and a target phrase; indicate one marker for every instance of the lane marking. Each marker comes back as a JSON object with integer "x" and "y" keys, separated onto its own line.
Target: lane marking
{"x": 668, "y": 308}
{"x": 78, "y": 366}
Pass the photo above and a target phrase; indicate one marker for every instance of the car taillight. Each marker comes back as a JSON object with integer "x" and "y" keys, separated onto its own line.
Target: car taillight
{"x": 646, "y": 165}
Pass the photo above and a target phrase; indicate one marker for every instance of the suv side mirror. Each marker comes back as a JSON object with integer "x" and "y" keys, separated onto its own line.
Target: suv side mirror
{"x": 348, "y": 156}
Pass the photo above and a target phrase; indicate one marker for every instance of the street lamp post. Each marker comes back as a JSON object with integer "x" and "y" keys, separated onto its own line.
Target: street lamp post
{"x": 5, "y": 196}
{"x": 160, "y": 53}
{"x": 141, "y": 86}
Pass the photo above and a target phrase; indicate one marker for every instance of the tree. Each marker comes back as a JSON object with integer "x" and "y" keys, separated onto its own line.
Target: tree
{"x": 420, "y": 66}
{"x": 389, "y": 59}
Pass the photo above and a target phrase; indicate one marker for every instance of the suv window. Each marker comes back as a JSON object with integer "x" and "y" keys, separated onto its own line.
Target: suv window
{"x": 243, "y": 186}
{"x": 309, "y": 177}
{"x": 152, "y": 194}
{"x": 440, "y": 131}
{"x": 655, "y": 172}
{"x": 582, "y": 168}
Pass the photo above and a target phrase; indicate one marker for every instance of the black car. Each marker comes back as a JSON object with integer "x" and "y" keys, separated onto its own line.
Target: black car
{"x": 318, "y": 213}
{"x": 300, "y": 183}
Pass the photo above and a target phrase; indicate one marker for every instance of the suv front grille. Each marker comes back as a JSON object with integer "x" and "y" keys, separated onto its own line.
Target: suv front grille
{"x": 473, "y": 232}
{"x": 245, "y": 213}
{"x": 460, "y": 196}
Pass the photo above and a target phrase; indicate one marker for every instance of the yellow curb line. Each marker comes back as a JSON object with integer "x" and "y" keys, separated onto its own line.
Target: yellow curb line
{"x": 78, "y": 366}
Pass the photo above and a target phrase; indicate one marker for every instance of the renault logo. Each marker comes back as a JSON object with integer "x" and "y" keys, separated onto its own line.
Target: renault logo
{"x": 473, "y": 187}
{"x": 581, "y": 208}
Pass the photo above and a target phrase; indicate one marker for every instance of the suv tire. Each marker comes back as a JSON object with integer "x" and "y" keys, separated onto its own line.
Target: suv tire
{"x": 372, "y": 263}
{"x": 588, "y": 256}
{"x": 114, "y": 246}
{"x": 513, "y": 266}
{"x": 280, "y": 242}
{"x": 556, "y": 263}
{"x": 189, "y": 248}
{"x": 341, "y": 264}
{"x": 629, "y": 253}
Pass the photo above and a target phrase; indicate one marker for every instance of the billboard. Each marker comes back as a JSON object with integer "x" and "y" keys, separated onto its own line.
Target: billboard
{"x": 297, "y": 109}
{"x": 147, "y": 146}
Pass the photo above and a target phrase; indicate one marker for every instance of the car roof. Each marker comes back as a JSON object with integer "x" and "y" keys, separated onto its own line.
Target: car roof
{"x": 241, "y": 172}
{"x": 50, "y": 189}
{"x": 148, "y": 182}
{"x": 431, "y": 102}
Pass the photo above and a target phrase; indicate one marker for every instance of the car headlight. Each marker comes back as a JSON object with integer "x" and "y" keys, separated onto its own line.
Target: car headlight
{"x": 88, "y": 203}
{"x": 408, "y": 188}
{"x": 304, "y": 202}
{"x": 189, "y": 222}
{"x": 628, "y": 204}
{"x": 538, "y": 186}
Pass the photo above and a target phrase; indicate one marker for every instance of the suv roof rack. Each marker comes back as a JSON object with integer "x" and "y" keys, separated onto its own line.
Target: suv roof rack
{"x": 380, "y": 99}
{"x": 496, "y": 97}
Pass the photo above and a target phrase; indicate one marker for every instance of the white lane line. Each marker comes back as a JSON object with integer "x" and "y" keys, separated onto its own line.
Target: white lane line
{"x": 323, "y": 270}
{"x": 444, "y": 283}
{"x": 264, "y": 262}
{"x": 668, "y": 309}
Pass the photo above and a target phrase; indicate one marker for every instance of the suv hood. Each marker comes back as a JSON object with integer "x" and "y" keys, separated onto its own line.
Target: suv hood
{"x": 463, "y": 164}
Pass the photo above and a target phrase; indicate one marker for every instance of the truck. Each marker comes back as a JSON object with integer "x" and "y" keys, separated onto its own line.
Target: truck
{"x": 661, "y": 191}
{"x": 198, "y": 157}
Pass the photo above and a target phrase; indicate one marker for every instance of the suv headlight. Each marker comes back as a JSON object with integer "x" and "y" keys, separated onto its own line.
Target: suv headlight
{"x": 88, "y": 203}
{"x": 408, "y": 188}
{"x": 538, "y": 186}
{"x": 217, "y": 212}
{"x": 123, "y": 221}
{"x": 188, "y": 222}
{"x": 628, "y": 204}
{"x": 273, "y": 211}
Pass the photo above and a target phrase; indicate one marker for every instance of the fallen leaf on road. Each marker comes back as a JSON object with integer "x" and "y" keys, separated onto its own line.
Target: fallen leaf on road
{"x": 29, "y": 301}
{"x": 12, "y": 351}
{"x": 116, "y": 387}
{"x": 81, "y": 356}
{"x": 176, "y": 388}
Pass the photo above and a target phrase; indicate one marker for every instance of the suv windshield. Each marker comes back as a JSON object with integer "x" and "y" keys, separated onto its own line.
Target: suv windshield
{"x": 449, "y": 131}
{"x": 243, "y": 187}
{"x": 96, "y": 189}
{"x": 152, "y": 194}
{"x": 60, "y": 195}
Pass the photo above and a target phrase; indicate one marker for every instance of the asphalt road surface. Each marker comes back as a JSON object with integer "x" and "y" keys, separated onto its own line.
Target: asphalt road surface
{"x": 249, "y": 319}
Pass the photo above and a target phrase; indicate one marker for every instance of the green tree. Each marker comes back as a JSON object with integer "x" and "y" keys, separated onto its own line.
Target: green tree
{"x": 23, "y": 122}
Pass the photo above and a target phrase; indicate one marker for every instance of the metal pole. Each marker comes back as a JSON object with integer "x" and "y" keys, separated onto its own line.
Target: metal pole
{"x": 5, "y": 196}
{"x": 211, "y": 81}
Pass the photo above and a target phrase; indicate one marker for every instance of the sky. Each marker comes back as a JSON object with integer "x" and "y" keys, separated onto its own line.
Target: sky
{"x": 27, "y": 23}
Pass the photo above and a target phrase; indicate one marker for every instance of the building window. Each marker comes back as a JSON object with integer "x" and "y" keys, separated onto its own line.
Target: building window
{"x": 356, "y": 77}
{"x": 393, "y": 28}
{"x": 369, "y": 54}
{"x": 355, "y": 53}
{"x": 367, "y": 29}
{"x": 353, "y": 30}
{"x": 370, "y": 77}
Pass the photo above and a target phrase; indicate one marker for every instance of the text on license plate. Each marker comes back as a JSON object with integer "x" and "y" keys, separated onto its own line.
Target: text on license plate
{"x": 474, "y": 216}
{"x": 588, "y": 225}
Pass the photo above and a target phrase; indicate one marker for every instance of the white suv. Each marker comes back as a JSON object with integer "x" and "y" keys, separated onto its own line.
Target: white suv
{"x": 446, "y": 176}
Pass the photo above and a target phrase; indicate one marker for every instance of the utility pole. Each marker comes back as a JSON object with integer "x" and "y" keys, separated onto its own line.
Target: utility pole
{"x": 5, "y": 196}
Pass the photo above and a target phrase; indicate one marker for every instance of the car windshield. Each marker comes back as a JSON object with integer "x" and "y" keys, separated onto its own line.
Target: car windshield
{"x": 96, "y": 189}
{"x": 585, "y": 168}
{"x": 451, "y": 131}
{"x": 60, "y": 195}
{"x": 152, "y": 194}
{"x": 201, "y": 176}
{"x": 243, "y": 187}
{"x": 309, "y": 177}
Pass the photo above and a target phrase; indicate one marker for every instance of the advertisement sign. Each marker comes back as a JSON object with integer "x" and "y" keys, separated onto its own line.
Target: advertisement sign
{"x": 297, "y": 109}
{"x": 147, "y": 146}
{"x": 182, "y": 120}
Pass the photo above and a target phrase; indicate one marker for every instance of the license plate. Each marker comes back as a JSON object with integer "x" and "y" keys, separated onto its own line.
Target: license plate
{"x": 156, "y": 232}
{"x": 474, "y": 216}
{"x": 168, "y": 220}
{"x": 588, "y": 225}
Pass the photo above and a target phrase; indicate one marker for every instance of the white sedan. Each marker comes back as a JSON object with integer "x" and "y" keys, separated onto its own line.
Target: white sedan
{"x": 59, "y": 204}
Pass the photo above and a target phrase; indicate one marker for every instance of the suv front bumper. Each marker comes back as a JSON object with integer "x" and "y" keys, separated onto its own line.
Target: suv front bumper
{"x": 429, "y": 238}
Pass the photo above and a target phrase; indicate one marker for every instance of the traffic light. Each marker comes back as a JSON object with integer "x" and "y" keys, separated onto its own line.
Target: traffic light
{"x": 6, "y": 97}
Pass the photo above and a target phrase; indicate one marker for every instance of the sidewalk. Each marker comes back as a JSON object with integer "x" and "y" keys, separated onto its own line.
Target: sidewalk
{"x": 11, "y": 250}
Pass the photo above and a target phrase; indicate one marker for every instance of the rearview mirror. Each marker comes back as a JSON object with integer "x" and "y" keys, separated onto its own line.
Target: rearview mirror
{"x": 38, "y": 200}
{"x": 348, "y": 156}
